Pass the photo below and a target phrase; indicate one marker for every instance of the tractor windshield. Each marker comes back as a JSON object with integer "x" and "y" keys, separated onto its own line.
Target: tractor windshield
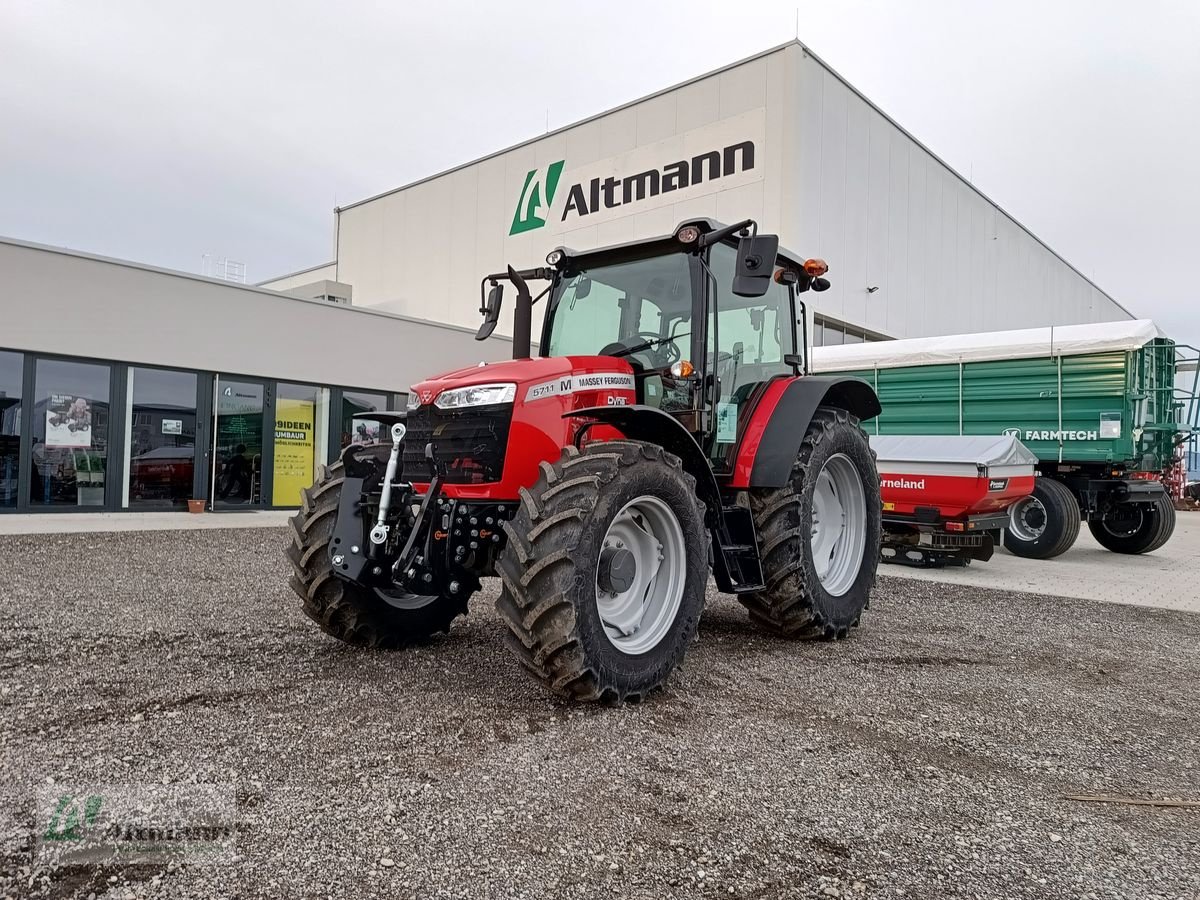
{"x": 623, "y": 306}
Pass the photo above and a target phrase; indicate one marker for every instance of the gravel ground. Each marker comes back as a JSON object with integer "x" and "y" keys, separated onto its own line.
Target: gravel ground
{"x": 927, "y": 756}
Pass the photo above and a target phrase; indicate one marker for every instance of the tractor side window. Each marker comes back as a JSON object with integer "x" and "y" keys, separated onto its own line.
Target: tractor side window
{"x": 746, "y": 346}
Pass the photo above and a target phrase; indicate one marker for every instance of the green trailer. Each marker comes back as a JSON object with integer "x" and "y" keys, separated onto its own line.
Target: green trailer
{"x": 1103, "y": 407}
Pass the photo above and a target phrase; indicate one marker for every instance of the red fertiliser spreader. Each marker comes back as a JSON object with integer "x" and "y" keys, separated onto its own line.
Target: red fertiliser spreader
{"x": 946, "y": 498}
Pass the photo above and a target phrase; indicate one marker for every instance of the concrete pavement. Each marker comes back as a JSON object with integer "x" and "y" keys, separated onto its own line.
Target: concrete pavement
{"x": 79, "y": 523}
{"x": 1168, "y": 578}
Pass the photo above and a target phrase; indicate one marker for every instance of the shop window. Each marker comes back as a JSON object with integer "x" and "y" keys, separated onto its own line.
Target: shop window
{"x": 12, "y": 366}
{"x": 69, "y": 464}
{"x": 301, "y": 427}
{"x": 237, "y": 462}
{"x": 161, "y": 439}
{"x": 357, "y": 426}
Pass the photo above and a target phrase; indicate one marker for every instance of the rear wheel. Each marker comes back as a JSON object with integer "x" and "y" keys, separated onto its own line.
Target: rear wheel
{"x": 819, "y": 535}
{"x": 358, "y": 615}
{"x": 1045, "y": 524}
{"x": 1136, "y": 527}
{"x": 605, "y": 570}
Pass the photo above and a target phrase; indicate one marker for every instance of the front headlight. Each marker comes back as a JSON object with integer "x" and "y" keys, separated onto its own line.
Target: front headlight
{"x": 476, "y": 395}
{"x": 413, "y": 400}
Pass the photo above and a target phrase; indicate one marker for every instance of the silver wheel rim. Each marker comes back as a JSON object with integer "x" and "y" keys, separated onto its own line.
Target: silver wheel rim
{"x": 637, "y": 618}
{"x": 839, "y": 524}
{"x": 1019, "y": 519}
{"x": 403, "y": 599}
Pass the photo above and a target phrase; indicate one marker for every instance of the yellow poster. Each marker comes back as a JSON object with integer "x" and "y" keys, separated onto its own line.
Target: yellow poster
{"x": 293, "y": 470}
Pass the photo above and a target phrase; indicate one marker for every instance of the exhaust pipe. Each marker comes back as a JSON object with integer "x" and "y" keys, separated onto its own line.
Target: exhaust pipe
{"x": 522, "y": 316}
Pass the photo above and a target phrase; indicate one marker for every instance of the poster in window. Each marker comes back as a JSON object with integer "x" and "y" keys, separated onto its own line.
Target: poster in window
{"x": 172, "y": 426}
{"x": 365, "y": 431}
{"x": 68, "y": 422}
{"x": 294, "y": 445}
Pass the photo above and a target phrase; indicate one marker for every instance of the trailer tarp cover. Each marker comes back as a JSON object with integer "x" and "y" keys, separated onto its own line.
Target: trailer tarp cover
{"x": 1024, "y": 343}
{"x": 986, "y": 451}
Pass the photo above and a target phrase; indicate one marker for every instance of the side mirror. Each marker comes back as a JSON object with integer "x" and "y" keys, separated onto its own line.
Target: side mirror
{"x": 491, "y": 312}
{"x": 755, "y": 265}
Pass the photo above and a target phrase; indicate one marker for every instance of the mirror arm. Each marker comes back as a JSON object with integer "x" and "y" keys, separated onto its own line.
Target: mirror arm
{"x": 715, "y": 237}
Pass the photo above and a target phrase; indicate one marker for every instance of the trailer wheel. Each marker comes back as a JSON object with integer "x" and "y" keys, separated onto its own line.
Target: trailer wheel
{"x": 1045, "y": 524}
{"x": 364, "y": 617}
{"x": 1137, "y": 527}
{"x": 819, "y": 535}
{"x": 604, "y": 572}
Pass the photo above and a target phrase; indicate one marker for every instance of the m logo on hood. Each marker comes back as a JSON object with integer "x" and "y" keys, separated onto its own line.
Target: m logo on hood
{"x": 531, "y": 209}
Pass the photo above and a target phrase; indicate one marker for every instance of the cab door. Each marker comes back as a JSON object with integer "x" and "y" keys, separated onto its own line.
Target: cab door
{"x": 747, "y": 340}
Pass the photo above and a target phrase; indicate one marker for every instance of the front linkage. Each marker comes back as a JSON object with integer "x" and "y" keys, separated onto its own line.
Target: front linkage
{"x": 390, "y": 537}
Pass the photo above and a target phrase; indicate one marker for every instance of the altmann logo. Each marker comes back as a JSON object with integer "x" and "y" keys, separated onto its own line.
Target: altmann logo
{"x": 589, "y": 196}
{"x": 611, "y": 192}
{"x": 905, "y": 483}
{"x": 526, "y": 217}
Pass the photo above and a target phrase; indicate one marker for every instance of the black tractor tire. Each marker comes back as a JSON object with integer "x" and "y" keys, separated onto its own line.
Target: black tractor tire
{"x": 358, "y": 615}
{"x": 549, "y": 570}
{"x": 1062, "y": 522}
{"x": 794, "y": 603}
{"x": 1149, "y": 526}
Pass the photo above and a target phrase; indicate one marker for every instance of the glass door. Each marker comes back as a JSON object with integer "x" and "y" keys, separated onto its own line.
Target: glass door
{"x": 240, "y": 424}
{"x": 160, "y": 429}
{"x": 69, "y": 462}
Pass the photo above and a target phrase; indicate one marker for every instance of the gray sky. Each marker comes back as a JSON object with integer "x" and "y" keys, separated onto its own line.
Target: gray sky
{"x": 159, "y": 132}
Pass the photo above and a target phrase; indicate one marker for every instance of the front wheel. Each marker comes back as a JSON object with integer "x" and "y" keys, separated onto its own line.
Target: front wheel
{"x": 350, "y": 612}
{"x": 819, "y": 535}
{"x": 1136, "y": 527}
{"x": 1045, "y": 524}
{"x": 604, "y": 571}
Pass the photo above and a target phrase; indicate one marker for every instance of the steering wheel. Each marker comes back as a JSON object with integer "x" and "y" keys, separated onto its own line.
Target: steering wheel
{"x": 668, "y": 350}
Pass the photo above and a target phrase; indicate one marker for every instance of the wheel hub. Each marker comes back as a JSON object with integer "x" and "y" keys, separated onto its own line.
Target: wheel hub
{"x": 1027, "y": 519}
{"x": 839, "y": 524}
{"x": 640, "y": 575}
{"x": 618, "y": 570}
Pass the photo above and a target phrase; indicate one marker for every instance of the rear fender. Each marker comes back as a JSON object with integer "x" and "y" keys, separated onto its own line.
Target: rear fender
{"x": 653, "y": 426}
{"x": 771, "y": 439}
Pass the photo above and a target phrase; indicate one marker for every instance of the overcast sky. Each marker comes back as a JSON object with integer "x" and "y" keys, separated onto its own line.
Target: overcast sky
{"x": 160, "y": 132}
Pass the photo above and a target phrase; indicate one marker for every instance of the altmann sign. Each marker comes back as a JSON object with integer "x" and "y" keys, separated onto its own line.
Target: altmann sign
{"x": 703, "y": 161}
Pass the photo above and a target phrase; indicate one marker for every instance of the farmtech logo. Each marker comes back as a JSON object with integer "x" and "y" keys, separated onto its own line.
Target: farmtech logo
{"x": 1033, "y": 434}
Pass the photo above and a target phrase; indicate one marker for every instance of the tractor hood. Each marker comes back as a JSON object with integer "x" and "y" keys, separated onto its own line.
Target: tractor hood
{"x": 528, "y": 373}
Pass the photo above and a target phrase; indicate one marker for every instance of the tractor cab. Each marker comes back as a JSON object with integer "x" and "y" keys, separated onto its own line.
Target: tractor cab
{"x": 706, "y": 317}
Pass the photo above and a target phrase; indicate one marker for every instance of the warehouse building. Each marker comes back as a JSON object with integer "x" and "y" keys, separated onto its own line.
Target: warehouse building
{"x": 915, "y": 250}
{"x": 128, "y": 387}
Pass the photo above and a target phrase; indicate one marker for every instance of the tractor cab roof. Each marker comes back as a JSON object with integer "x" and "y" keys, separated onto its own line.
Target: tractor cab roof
{"x": 654, "y": 246}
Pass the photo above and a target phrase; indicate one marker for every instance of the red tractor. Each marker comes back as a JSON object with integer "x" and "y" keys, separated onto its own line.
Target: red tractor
{"x": 667, "y": 427}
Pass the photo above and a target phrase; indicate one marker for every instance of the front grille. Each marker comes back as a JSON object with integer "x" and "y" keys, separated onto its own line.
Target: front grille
{"x": 468, "y": 443}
